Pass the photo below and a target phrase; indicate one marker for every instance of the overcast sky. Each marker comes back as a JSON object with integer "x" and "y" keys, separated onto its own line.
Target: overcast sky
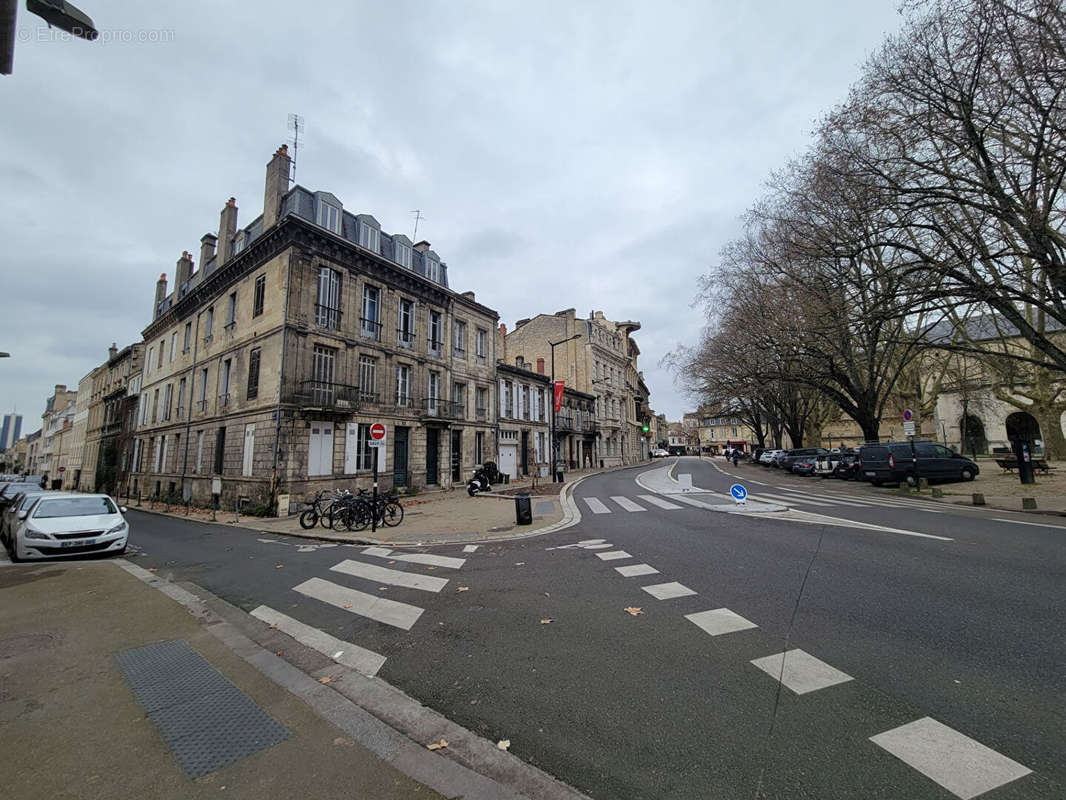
{"x": 585, "y": 155}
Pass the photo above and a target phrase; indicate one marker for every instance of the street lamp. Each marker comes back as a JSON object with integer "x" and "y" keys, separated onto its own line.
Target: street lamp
{"x": 557, "y": 475}
{"x": 5, "y": 355}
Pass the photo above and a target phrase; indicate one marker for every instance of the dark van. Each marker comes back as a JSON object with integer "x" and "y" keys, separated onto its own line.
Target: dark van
{"x": 894, "y": 462}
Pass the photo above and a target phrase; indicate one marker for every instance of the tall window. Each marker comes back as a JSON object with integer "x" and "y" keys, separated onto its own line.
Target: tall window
{"x": 460, "y": 338}
{"x": 220, "y": 450}
{"x": 324, "y": 359}
{"x": 402, "y": 253}
{"x": 144, "y": 408}
{"x": 433, "y": 395}
{"x": 231, "y": 310}
{"x": 253, "y": 373}
{"x": 479, "y": 447}
{"x": 480, "y": 345}
{"x": 481, "y": 400}
{"x": 173, "y": 345}
{"x": 202, "y": 403}
{"x": 328, "y": 216}
{"x": 459, "y": 398}
{"x": 436, "y": 332}
{"x": 209, "y": 323}
{"x": 199, "y": 452}
{"x": 155, "y": 405}
{"x": 328, "y": 305}
{"x": 188, "y": 337}
{"x": 405, "y": 333}
{"x": 148, "y": 361}
{"x": 524, "y": 394}
{"x": 370, "y": 322}
{"x": 432, "y": 268}
{"x": 168, "y": 399}
{"x": 259, "y": 296}
{"x": 508, "y": 399}
{"x": 364, "y": 453}
{"x": 540, "y": 404}
{"x": 403, "y": 385}
{"x": 369, "y": 237}
{"x": 223, "y": 382}
{"x": 162, "y": 344}
{"x": 368, "y": 379}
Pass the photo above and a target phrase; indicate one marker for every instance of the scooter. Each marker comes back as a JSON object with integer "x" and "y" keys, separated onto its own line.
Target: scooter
{"x": 479, "y": 483}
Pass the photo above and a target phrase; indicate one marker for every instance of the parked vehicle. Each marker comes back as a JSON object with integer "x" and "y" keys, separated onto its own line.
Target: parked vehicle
{"x": 802, "y": 465}
{"x": 767, "y": 456}
{"x": 62, "y": 524}
{"x": 899, "y": 462}
{"x": 777, "y": 458}
{"x": 796, "y": 454}
{"x": 479, "y": 483}
{"x": 825, "y": 465}
{"x": 659, "y": 453}
{"x": 22, "y": 502}
{"x": 848, "y": 469}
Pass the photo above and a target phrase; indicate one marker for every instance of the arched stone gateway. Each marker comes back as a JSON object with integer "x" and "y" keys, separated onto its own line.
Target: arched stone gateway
{"x": 1022, "y": 426}
{"x": 972, "y": 433}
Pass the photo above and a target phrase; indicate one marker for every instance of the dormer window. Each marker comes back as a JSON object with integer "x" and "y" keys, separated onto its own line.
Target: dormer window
{"x": 402, "y": 253}
{"x": 432, "y": 269}
{"x": 327, "y": 214}
{"x": 238, "y": 243}
{"x": 369, "y": 237}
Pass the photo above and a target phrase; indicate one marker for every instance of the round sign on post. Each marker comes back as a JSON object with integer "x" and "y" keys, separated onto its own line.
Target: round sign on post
{"x": 377, "y": 431}
{"x": 740, "y": 494}
{"x": 908, "y": 415}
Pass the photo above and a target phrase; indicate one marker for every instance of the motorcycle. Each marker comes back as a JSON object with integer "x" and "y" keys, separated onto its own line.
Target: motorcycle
{"x": 479, "y": 483}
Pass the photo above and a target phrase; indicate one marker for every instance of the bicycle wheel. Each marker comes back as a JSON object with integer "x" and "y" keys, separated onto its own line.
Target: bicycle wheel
{"x": 327, "y": 515}
{"x": 393, "y": 514}
{"x": 308, "y": 519}
{"x": 359, "y": 516}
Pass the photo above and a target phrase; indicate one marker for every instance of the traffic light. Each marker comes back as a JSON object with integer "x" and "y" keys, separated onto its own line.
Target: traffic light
{"x": 645, "y": 428}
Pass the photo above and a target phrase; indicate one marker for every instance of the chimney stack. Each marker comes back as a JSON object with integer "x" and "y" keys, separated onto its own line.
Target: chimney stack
{"x": 207, "y": 250}
{"x": 277, "y": 183}
{"x": 227, "y": 227}
{"x": 422, "y": 246}
{"x": 183, "y": 270}
{"x": 61, "y": 388}
{"x": 112, "y": 351}
{"x": 540, "y": 365}
{"x": 503, "y": 329}
{"x": 160, "y": 294}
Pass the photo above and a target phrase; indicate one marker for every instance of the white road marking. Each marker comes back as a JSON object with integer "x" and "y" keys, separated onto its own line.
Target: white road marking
{"x": 377, "y": 551}
{"x": 594, "y": 546}
{"x": 719, "y": 621}
{"x": 595, "y": 506}
{"x": 627, "y": 504}
{"x": 810, "y": 518}
{"x": 350, "y": 655}
{"x": 381, "y": 609}
{"x": 614, "y": 555}
{"x": 470, "y": 548}
{"x": 667, "y": 591}
{"x": 963, "y": 766}
{"x": 591, "y": 541}
{"x": 802, "y": 672}
{"x": 270, "y": 541}
{"x": 657, "y": 501}
{"x": 423, "y": 558}
{"x": 633, "y": 570}
{"x": 393, "y": 577}
{"x": 1035, "y": 524}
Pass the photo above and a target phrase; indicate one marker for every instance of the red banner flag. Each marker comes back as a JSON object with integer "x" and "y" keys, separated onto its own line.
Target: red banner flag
{"x": 558, "y": 396}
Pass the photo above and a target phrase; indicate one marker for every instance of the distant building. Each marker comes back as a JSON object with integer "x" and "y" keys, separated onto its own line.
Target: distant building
{"x": 10, "y": 430}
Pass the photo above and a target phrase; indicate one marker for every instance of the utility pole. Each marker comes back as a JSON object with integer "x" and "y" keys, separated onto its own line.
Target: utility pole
{"x": 556, "y": 473}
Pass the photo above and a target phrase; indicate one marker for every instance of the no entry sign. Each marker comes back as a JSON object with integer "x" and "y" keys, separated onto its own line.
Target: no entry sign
{"x": 377, "y": 435}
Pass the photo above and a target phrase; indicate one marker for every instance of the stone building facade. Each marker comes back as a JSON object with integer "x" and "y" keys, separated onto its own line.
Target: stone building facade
{"x": 112, "y": 410}
{"x": 57, "y": 436}
{"x": 524, "y": 414}
{"x": 266, "y": 366}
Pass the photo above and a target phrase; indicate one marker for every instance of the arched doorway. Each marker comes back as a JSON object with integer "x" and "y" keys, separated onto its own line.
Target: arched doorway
{"x": 972, "y": 433}
{"x": 1023, "y": 427}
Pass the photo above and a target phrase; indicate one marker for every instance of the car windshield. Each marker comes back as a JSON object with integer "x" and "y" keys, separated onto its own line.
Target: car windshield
{"x": 74, "y": 507}
{"x": 27, "y": 501}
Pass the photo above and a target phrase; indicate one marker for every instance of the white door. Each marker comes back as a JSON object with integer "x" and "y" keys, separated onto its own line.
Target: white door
{"x": 320, "y": 449}
{"x": 509, "y": 459}
{"x": 351, "y": 448}
{"x": 249, "y": 448}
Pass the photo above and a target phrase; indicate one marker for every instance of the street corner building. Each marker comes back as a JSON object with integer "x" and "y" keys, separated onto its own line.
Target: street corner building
{"x": 266, "y": 363}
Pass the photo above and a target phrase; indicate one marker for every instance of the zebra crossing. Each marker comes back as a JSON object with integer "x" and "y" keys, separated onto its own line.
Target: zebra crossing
{"x": 341, "y": 594}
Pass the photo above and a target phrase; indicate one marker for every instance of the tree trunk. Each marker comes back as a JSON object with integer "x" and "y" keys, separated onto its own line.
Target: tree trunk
{"x": 1051, "y": 431}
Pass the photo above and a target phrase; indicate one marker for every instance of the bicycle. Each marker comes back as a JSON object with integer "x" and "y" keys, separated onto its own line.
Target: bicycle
{"x": 321, "y": 511}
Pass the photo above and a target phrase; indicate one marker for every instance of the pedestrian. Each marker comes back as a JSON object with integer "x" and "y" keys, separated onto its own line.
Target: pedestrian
{"x": 736, "y": 457}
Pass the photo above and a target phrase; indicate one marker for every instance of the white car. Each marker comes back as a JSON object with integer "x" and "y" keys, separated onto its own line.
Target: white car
{"x": 68, "y": 524}
{"x": 768, "y": 456}
{"x": 660, "y": 453}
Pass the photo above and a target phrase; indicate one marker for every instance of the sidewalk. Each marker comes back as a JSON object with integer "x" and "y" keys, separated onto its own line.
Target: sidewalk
{"x": 74, "y": 728}
{"x": 442, "y": 517}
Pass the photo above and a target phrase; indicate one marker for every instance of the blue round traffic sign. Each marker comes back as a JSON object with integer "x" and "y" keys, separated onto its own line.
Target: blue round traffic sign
{"x": 738, "y": 491}
{"x": 907, "y": 415}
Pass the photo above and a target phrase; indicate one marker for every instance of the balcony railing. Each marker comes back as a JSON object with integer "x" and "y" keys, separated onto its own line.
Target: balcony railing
{"x": 481, "y": 413}
{"x": 370, "y": 329}
{"x": 323, "y": 394}
{"x": 569, "y": 422}
{"x": 441, "y": 409}
{"x": 223, "y": 399}
{"x": 404, "y": 401}
{"x": 367, "y": 396}
{"x": 405, "y": 338}
{"x": 327, "y": 317}
{"x": 434, "y": 347}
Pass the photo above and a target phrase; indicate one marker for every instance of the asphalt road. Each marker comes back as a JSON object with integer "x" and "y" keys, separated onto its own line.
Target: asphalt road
{"x": 965, "y": 629}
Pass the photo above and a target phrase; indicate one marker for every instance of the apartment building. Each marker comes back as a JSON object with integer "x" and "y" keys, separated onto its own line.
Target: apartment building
{"x": 524, "y": 417}
{"x": 268, "y": 362}
{"x": 111, "y": 410}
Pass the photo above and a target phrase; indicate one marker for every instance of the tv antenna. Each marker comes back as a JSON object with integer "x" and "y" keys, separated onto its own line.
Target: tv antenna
{"x": 296, "y": 124}
{"x": 418, "y": 218}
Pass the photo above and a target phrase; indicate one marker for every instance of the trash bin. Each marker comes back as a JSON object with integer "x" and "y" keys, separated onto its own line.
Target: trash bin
{"x": 523, "y": 510}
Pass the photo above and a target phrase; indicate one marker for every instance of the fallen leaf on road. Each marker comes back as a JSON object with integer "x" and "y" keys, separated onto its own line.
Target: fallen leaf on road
{"x": 382, "y": 588}
{"x": 545, "y": 621}
{"x": 437, "y": 745}
{"x": 519, "y": 563}
{"x": 325, "y": 679}
{"x": 547, "y": 595}
{"x": 503, "y": 744}
{"x": 279, "y": 566}
{"x": 347, "y": 605}
{"x": 464, "y": 588}
{"x": 151, "y": 569}
{"x": 430, "y": 567}
{"x": 634, "y": 611}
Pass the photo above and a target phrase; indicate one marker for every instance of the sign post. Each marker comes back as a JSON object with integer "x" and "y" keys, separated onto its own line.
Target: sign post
{"x": 377, "y": 442}
{"x": 909, "y": 432}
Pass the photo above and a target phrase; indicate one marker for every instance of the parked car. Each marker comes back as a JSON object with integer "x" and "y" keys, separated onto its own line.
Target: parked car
{"x": 796, "y": 454}
{"x": 777, "y": 458}
{"x": 802, "y": 465}
{"x": 767, "y": 456}
{"x": 21, "y": 502}
{"x": 849, "y": 467}
{"x": 7, "y": 494}
{"x": 62, "y": 524}
{"x": 659, "y": 453}
{"x": 897, "y": 462}
{"x": 825, "y": 465}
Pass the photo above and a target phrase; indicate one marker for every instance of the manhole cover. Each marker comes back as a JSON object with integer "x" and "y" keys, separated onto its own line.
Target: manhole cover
{"x": 22, "y": 643}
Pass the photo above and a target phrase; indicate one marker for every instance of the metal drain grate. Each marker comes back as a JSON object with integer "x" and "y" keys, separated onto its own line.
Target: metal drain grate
{"x": 205, "y": 720}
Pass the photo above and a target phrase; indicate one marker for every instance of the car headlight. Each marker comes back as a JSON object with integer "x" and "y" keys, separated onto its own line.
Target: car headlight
{"x": 118, "y": 528}
{"x": 30, "y": 533}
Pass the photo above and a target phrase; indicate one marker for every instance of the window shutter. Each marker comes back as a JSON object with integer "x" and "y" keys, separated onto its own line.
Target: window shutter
{"x": 503, "y": 406}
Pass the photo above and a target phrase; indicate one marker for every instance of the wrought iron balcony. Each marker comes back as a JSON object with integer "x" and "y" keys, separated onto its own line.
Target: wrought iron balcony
{"x": 370, "y": 329}
{"x": 481, "y": 414}
{"x": 327, "y": 317}
{"x": 323, "y": 394}
{"x": 441, "y": 409}
{"x": 434, "y": 347}
{"x": 405, "y": 338}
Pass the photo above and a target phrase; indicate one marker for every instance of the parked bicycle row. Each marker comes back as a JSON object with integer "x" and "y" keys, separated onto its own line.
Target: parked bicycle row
{"x": 348, "y": 511}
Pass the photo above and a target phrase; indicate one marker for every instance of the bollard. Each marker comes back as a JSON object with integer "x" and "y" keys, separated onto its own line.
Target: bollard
{"x": 938, "y": 492}
{"x": 1029, "y": 504}
{"x": 236, "y": 510}
{"x": 523, "y": 510}
{"x": 978, "y": 499}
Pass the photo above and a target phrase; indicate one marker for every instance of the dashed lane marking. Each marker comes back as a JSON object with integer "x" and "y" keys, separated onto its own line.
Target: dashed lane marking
{"x": 800, "y": 671}
{"x": 377, "y": 551}
{"x": 1035, "y": 524}
{"x": 962, "y": 765}
{"x": 393, "y": 577}
{"x": 470, "y": 548}
{"x": 668, "y": 591}
{"x": 614, "y": 555}
{"x": 627, "y": 504}
{"x": 380, "y": 609}
{"x": 633, "y": 570}
{"x": 351, "y": 655}
{"x": 423, "y": 558}
{"x": 596, "y": 506}
{"x": 719, "y": 621}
